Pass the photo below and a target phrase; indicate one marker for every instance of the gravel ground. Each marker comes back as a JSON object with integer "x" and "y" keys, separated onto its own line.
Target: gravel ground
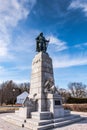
{"x": 82, "y": 125}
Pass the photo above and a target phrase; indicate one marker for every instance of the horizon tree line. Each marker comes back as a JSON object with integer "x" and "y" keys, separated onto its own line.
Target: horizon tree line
{"x": 9, "y": 90}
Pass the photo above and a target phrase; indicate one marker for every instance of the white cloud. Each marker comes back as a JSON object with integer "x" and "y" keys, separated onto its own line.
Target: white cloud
{"x": 13, "y": 73}
{"x": 11, "y": 12}
{"x": 60, "y": 45}
{"x": 75, "y": 4}
{"x": 3, "y": 48}
{"x": 69, "y": 61}
{"x": 85, "y": 44}
{"x": 1, "y": 68}
{"x": 24, "y": 47}
{"x": 4, "y": 41}
{"x": 21, "y": 68}
{"x": 81, "y": 45}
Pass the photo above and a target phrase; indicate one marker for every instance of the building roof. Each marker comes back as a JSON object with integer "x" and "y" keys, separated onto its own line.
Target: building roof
{"x": 23, "y": 95}
{"x": 21, "y": 98}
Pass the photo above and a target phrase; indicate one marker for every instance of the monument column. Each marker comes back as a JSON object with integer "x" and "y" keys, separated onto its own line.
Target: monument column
{"x": 42, "y": 70}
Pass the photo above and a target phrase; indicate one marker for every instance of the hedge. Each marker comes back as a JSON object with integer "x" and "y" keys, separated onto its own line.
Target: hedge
{"x": 76, "y": 100}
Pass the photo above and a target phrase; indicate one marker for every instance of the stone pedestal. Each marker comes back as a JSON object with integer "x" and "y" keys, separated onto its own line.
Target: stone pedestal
{"x": 54, "y": 105}
{"x": 42, "y": 70}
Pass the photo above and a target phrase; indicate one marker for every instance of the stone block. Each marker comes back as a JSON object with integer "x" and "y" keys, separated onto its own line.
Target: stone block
{"x": 41, "y": 115}
{"x": 24, "y": 112}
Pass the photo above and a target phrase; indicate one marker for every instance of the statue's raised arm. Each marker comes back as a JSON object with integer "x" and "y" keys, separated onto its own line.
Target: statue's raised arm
{"x": 41, "y": 43}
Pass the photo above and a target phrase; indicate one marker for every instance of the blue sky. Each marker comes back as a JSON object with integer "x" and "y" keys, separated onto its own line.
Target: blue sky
{"x": 64, "y": 22}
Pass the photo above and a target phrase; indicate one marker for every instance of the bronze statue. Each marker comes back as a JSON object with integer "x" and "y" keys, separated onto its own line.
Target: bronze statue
{"x": 41, "y": 43}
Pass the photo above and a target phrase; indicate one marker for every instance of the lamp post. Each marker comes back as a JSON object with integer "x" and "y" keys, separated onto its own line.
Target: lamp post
{"x": 13, "y": 95}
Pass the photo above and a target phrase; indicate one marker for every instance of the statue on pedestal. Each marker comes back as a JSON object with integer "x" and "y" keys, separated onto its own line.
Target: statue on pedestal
{"x": 41, "y": 43}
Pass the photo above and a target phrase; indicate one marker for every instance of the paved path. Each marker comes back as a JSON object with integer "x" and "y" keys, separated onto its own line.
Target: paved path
{"x": 8, "y": 126}
{"x": 82, "y": 125}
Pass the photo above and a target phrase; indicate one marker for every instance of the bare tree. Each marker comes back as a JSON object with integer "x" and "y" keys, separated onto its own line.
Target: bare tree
{"x": 65, "y": 94}
{"x": 24, "y": 87}
{"x": 77, "y": 90}
{"x": 7, "y": 92}
{"x": 10, "y": 90}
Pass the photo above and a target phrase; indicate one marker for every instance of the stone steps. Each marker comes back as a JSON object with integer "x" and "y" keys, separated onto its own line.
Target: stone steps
{"x": 15, "y": 118}
{"x": 13, "y": 121}
{"x": 70, "y": 117}
{"x": 42, "y": 124}
{"x": 39, "y": 122}
{"x": 67, "y": 122}
{"x": 45, "y": 127}
{"x": 53, "y": 125}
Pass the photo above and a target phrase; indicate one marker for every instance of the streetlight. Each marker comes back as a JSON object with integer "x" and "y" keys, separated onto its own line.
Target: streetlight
{"x": 13, "y": 94}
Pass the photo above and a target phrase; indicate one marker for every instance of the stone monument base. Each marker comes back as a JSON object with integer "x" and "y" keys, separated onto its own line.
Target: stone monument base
{"x": 42, "y": 123}
{"x": 46, "y": 115}
{"x": 54, "y": 105}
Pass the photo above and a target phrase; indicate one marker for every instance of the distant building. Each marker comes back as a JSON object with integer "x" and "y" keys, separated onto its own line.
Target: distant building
{"x": 21, "y": 98}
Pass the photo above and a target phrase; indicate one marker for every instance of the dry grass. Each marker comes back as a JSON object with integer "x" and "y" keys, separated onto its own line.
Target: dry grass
{"x": 8, "y": 109}
{"x": 76, "y": 107}
{"x": 72, "y": 107}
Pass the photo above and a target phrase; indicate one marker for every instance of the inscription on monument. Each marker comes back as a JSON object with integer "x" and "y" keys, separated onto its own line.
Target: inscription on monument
{"x": 57, "y": 102}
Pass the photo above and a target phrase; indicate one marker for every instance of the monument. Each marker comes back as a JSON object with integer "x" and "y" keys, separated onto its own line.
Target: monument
{"x": 43, "y": 108}
{"x": 47, "y": 101}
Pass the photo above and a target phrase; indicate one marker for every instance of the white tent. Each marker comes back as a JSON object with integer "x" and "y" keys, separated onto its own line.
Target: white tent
{"x": 21, "y": 98}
